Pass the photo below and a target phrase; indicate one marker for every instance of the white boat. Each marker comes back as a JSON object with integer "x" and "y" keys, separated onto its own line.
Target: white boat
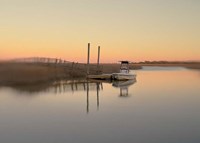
{"x": 123, "y": 76}
{"x": 124, "y": 72}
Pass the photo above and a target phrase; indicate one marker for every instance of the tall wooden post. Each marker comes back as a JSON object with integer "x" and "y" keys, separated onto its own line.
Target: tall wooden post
{"x": 98, "y": 59}
{"x": 98, "y": 56}
{"x": 88, "y": 59}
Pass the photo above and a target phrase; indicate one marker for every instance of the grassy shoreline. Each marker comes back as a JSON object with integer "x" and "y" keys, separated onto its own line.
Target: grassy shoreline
{"x": 35, "y": 73}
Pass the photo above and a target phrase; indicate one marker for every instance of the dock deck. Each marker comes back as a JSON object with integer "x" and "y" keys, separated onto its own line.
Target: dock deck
{"x": 101, "y": 77}
{"x": 114, "y": 76}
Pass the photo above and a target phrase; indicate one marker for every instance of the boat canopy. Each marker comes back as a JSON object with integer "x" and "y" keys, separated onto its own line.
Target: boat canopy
{"x": 124, "y": 67}
{"x": 124, "y": 62}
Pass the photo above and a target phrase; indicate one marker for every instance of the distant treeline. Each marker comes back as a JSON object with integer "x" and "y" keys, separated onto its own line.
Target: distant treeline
{"x": 167, "y": 62}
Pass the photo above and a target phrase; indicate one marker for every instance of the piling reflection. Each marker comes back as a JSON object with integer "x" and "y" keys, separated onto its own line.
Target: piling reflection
{"x": 99, "y": 86}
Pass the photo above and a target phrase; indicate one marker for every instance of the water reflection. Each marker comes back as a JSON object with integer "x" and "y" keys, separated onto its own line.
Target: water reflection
{"x": 165, "y": 108}
{"x": 73, "y": 86}
{"x": 123, "y": 85}
{"x": 57, "y": 87}
{"x": 99, "y": 86}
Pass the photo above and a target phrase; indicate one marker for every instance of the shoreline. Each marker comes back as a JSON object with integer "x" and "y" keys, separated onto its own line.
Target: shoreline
{"x": 12, "y": 74}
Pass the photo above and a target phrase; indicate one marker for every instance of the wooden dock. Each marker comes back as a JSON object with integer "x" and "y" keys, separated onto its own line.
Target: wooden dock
{"x": 101, "y": 77}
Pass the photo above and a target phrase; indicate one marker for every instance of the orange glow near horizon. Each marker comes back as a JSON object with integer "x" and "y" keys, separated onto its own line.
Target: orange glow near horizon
{"x": 126, "y": 30}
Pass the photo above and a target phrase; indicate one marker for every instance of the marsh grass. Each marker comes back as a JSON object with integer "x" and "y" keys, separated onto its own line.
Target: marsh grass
{"x": 36, "y": 73}
{"x": 22, "y": 73}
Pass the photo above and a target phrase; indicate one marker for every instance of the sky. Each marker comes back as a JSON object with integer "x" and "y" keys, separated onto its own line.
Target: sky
{"x": 134, "y": 30}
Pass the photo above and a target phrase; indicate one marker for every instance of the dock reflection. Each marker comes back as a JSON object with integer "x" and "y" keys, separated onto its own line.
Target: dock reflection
{"x": 74, "y": 86}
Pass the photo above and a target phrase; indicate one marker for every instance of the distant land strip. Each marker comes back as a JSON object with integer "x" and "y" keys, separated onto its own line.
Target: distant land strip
{"x": 44, "y": 70}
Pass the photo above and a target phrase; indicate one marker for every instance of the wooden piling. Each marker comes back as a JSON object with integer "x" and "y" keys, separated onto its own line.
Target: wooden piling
{"x": 98, "y": 59}
{"x": 88, "y": 60}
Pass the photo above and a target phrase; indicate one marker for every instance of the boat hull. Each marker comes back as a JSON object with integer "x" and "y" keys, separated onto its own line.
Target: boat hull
{"x": 123, "y": 76}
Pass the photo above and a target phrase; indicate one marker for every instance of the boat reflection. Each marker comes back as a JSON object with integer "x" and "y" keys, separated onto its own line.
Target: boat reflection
{"x": 123, "y": 86}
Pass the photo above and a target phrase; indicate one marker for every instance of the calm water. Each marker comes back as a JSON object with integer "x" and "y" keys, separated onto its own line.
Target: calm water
{"x": 163, "y": 106}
